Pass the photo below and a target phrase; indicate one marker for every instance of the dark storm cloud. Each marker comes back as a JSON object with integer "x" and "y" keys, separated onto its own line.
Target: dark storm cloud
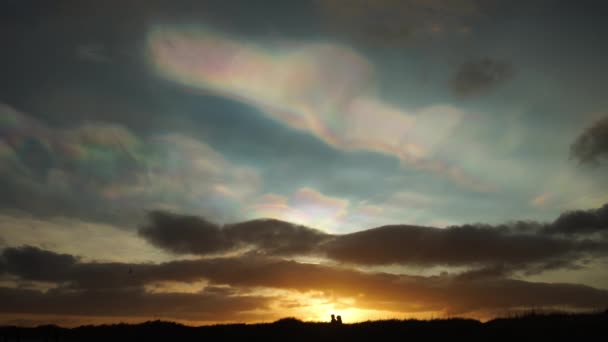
{"x": 581, "y": 222}
{"x": 480, "y": 76}
{"x": 134, "y": 302}
{"x": 591, "y": 147}
{"x": 36, "y": 264}
{"x": 185, "y": 234}
{"x": 192, "y": 234}
{"x": 486, "y": 251}
{"x": 275, "y": 237}
{"x": 454, "y": 246}
{"x": 526, "y": 246}
{"x": 94, "y": 288}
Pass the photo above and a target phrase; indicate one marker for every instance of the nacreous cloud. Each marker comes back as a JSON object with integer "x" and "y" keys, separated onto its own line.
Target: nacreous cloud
{"x": 117, "y": 173}
{"x": 323, "y": 89}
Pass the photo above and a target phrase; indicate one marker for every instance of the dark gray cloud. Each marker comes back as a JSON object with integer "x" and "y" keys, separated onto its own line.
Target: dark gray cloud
{"x": 581, "y": 222}
{"x": 36, "y": 264}
{"x": 485, "y": 251}
{"x": 275, "y": 237}
{"x": 591, "y": 147}
{"x": 192, "y": 234}
{"x": 475, "y": 246}
{"x": 480, "y": 76}
{"x": 208, "y": 305}
{"x": 525, "y": 246}
{"x": 94, "y": 288}
{"x": 185, "y": 234}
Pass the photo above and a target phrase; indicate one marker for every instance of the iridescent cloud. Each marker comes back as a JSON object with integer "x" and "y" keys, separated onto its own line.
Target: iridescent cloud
{"x": 325, "y": 89}
{"x": 311, "y": 207}
{"x": 116, "y": 171}
{"x": 306, "y": 206}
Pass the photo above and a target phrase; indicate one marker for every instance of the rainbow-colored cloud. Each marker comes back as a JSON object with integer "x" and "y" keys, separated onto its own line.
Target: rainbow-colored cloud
{"x": 325, "y": 89}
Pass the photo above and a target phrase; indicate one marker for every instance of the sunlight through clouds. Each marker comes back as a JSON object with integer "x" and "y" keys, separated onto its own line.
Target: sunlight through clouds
{"x": 239, "y": 161}
{"x": 306, "y": 206}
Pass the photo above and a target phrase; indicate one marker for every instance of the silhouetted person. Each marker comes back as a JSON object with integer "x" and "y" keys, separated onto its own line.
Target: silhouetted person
{"x": 333, "y": 319}
{"x": 339, "y": 320}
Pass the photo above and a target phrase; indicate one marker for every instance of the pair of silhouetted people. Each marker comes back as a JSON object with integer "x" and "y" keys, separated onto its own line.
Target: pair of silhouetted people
{"x": 336, "y": 320}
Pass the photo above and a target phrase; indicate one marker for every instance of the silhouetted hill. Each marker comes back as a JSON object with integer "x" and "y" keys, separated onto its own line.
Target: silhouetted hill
{"x": 531, "y": 326}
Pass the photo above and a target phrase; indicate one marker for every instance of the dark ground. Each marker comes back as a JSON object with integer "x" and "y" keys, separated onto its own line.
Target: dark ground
{"x": 577, "y": 327}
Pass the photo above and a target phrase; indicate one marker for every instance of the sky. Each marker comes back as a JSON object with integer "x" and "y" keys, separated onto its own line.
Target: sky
{"x": 242, "y": 161}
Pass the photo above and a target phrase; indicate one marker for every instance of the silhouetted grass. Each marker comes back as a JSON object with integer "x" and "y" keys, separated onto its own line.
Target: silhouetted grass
{"x": 532, "y": 325}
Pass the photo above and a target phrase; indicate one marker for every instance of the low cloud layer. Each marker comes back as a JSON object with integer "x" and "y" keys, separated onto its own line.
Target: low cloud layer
{"x": 581, "y": 222}
{"x": 242, "y": 267}
{"x": 192, "y": 234}
{"x": 194, "y": 307}
{"x": 89, "y": 288}
{"x": 591, "y": 147}
{"x": 568, "y": 241}
{"x": 480, "y": 76}
{"x": 470, "y": 246}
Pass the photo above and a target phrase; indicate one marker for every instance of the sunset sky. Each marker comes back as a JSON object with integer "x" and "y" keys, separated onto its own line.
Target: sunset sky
{"x": 242, "y": 161}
